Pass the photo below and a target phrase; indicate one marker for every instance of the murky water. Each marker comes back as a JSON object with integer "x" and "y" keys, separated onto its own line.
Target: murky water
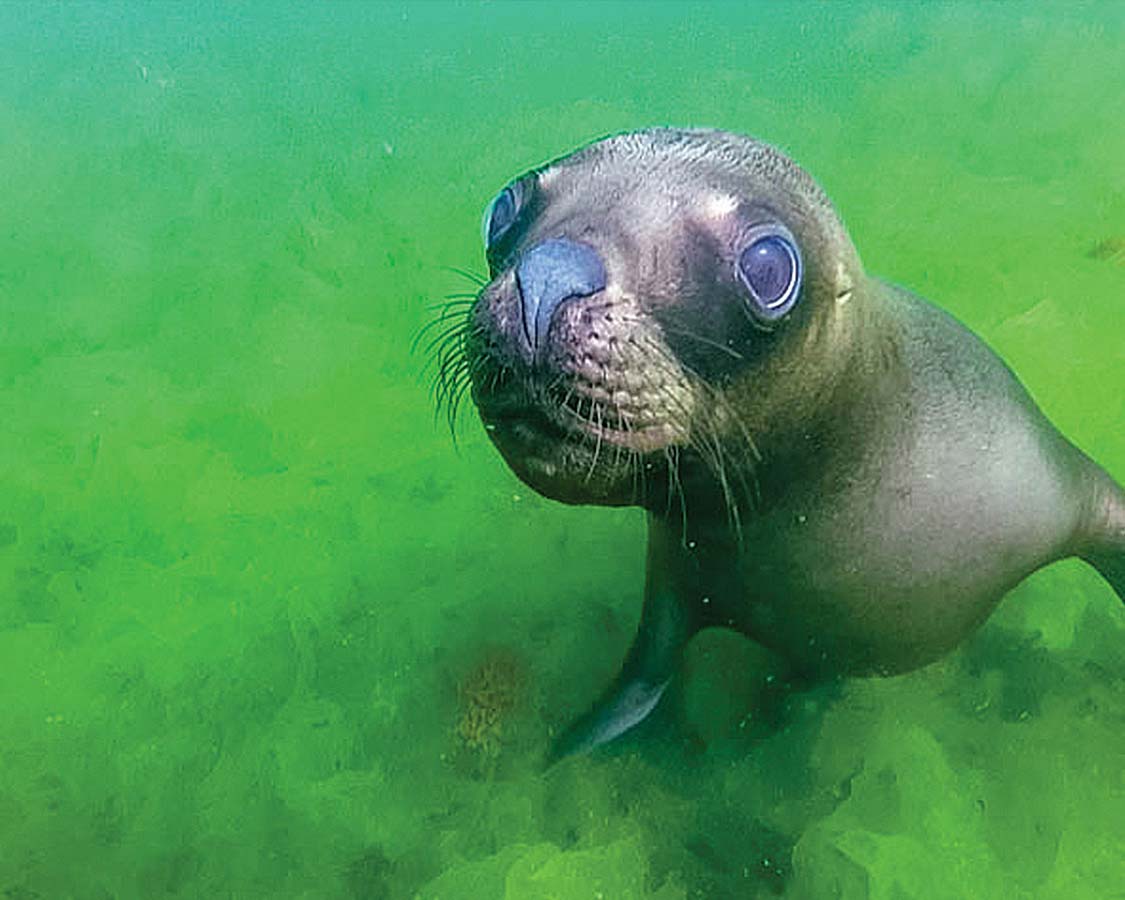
{"x": 265, "y": 633}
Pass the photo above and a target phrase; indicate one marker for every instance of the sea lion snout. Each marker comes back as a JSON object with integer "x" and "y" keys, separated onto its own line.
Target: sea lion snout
{"x": 571, "y": 375}
{"x": 550, "y": 274}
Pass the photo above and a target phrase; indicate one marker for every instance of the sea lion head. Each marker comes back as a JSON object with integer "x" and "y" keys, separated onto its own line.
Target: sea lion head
{"x": 657, "y": 300}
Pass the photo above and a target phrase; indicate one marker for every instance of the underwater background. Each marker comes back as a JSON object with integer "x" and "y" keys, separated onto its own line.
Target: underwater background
{"x": 264, "y": 632}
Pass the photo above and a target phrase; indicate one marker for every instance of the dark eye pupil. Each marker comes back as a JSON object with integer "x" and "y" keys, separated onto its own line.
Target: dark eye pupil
{"x": 768, "y": 267}
{"x": 502, "y": 215}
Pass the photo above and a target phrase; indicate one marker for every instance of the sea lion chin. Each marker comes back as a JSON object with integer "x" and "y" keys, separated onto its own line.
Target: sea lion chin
{"x": 677, "y": 319}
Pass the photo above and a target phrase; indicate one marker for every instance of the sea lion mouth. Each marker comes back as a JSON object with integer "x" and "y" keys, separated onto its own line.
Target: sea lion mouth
{"x": 561, "y": 419}
{"x": 522, "y": 420}
{"x": 574, "y": 441}
{"x": 577, "y": 414}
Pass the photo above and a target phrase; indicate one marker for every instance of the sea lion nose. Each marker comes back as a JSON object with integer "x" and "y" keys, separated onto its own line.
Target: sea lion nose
{"x": 551, "y": 273}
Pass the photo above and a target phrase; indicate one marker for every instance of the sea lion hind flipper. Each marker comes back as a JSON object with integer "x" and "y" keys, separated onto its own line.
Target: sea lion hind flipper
{"x": 1104, "y": 534}
{"x": 1109, "y": 560}
{"x": 1112, "y": 569}
{"x": 661, "y": 636}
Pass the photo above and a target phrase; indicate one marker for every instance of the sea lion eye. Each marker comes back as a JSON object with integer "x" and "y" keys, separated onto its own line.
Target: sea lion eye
{"x": 501, "y": 214}
{"x": 770, "y": 268}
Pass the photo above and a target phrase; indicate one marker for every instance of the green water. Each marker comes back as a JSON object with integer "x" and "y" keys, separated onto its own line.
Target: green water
{"x": 247, "y": 586}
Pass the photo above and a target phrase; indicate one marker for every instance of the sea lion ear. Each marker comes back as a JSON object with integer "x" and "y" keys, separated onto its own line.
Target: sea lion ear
{"x": 844, "y": 283}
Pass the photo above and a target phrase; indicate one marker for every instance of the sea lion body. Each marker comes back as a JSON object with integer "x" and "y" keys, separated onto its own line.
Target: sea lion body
{"x": 893, "y": 541}
{"x": 830, "y": 464}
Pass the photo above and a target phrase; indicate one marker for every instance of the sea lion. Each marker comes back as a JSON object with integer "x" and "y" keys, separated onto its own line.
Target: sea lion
{"x": 677, "y": 319}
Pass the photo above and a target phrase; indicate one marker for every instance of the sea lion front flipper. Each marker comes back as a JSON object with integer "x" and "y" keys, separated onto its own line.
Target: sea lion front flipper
{"x": 663, "y": 631}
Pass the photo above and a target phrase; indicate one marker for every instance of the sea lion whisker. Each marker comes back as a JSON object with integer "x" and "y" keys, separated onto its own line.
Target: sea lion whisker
{"x": 730, "y": 414}
{"x": 454, "y": 331}
{"x": 720, "y": 405}
{"x": 676, "y": 489}
{"x": 714, "y": 458}
{"x": 598, "y": 443}
{"x": 708, "y": 445}
{"x": 449, "y": 363}
{"x": 454, "y": 309}
{"x": 451, "y": 303}
{"x": 445, "y": 375}
{"x": 718, "y": 402}
{"x": 478, "y": 280}
{"x": 455, "y": 405}
{"x": 446, "y": 384}
{"x": 425, "y": 331}
{"x": 442, "y": 350}
{"x": 730, "y": 351}
{"x": 445, "y": 364}
{"x": 744, "y": 469}
{"x": 623, "y": 425}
